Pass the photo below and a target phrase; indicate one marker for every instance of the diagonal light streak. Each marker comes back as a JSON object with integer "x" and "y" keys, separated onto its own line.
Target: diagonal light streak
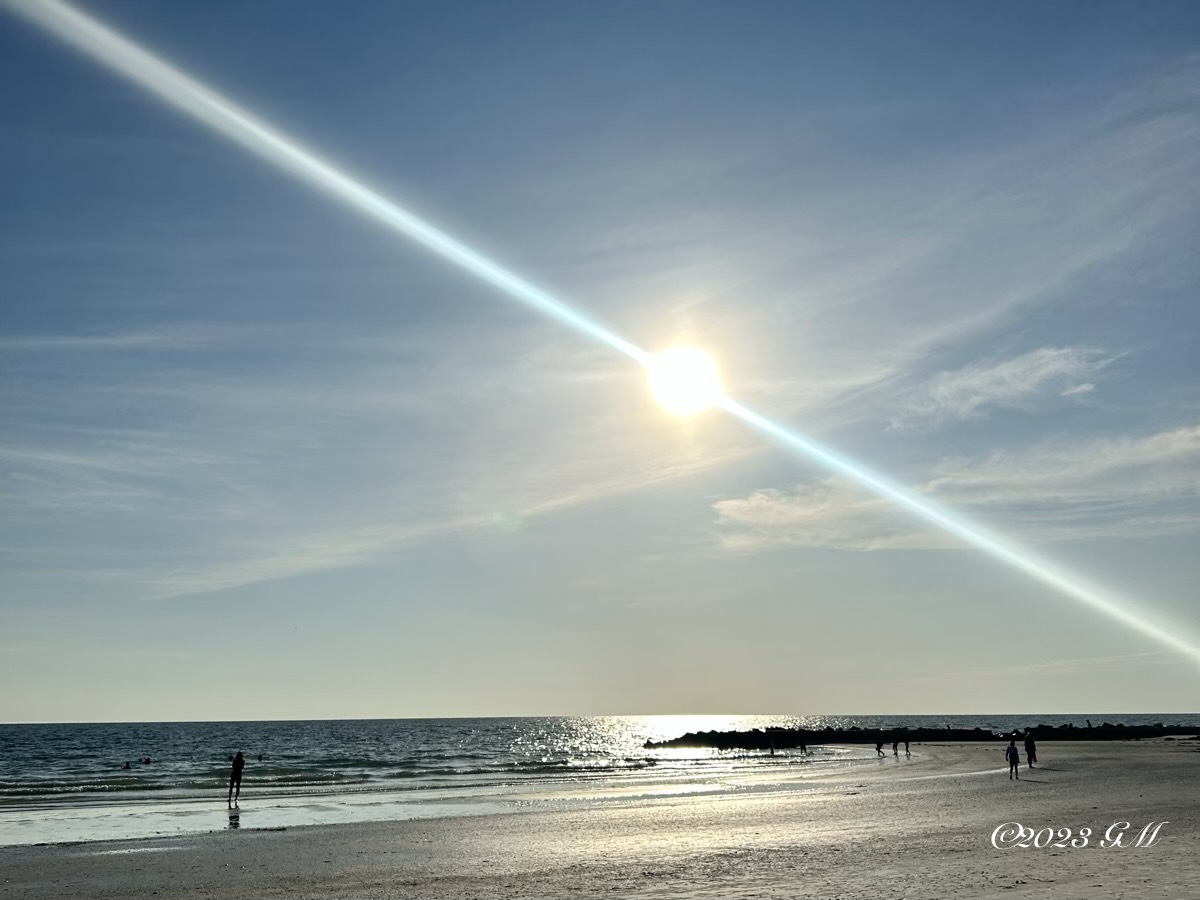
{"x": 239, "y": 125}
{"x": 226, "y": 117}
{"x": 1019, "y": 558}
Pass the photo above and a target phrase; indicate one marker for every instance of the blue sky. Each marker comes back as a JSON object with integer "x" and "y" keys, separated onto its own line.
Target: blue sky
{"x": 262, "y": 459}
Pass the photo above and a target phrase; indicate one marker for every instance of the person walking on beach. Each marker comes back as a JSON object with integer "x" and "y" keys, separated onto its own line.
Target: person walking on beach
{"x": 879, "y": 748}
{"x": 1030, "y": 749}
{"x": 907, "y": 752}
{"x": 1013, "y": 755}
{"x": 235, "y": 777}
{"x": 896, "y": 748}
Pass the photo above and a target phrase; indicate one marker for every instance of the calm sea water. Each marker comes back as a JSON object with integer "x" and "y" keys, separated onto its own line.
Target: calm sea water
{"x": 68, "y": 781}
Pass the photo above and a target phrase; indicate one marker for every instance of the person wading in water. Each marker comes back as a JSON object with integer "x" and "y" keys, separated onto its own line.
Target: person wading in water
{"x": 235, "y": 777}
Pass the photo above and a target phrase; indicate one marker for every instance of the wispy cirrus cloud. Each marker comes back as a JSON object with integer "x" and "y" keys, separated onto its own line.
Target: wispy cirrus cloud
{"x": 1136, "y": 471}
{"x": 230, "y": 475}
{"x": 1021, "y": 383}
{"x": 855, "y": 293}
{"x": 1133, "y": 487}
{"x": 173, "y": 337}
{"x": 288, "y": 555}
{"x": 882, "y": 296}
{"x": 831, "y": 513}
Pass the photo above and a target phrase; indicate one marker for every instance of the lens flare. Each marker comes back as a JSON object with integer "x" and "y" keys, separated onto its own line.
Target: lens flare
{"x": 1018, "y": 557}
{"x": 227, "y": 118}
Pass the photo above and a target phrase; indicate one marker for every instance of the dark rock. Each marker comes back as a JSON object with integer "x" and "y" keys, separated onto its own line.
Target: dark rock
{"x": 787, "y": 738}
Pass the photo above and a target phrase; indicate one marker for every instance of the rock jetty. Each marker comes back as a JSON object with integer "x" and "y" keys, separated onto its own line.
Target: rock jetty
{"x": 788, "y": 738}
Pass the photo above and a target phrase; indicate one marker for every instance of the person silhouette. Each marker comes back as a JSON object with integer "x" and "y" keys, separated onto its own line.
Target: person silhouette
{"x": 879, "y": 748}
{"x": 235, "y": 777}
{"x": 1030, "y": 749}
{"x": 907, "y": 752}
{"x": 1013, "y": 755}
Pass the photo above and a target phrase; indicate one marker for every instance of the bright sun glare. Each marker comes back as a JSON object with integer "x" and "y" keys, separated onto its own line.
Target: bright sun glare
{"x": 684, "y": 380}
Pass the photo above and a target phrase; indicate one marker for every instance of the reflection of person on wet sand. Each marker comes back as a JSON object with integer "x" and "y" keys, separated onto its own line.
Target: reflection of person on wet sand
{"x": 235, "y": 777}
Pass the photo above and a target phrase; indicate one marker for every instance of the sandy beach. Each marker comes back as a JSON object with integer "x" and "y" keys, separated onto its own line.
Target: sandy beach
{"x": 919, "y": 828}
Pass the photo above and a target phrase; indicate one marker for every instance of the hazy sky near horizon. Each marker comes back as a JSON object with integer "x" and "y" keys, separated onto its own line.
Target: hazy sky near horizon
{"x": 262, "y": 459}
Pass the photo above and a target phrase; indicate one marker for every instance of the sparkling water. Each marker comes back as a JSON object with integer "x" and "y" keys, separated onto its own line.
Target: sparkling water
{"x": 69, "y": 781}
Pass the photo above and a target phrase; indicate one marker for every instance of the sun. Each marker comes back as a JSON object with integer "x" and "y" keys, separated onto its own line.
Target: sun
{"x": 684, "y": 380}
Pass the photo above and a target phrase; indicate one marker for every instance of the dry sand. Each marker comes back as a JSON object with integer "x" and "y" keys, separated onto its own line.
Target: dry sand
{"x": 912, "y": 829}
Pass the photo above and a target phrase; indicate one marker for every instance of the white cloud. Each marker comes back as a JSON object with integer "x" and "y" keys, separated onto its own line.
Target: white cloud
{"x": 1086, "y": 388}
{"x": 832, "y": 513}
{"x": 1019, "y": 383}
{"x": 1133, "y": 487}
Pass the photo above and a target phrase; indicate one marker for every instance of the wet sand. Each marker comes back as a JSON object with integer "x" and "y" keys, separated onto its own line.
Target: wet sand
{"x": 917, "y": 828}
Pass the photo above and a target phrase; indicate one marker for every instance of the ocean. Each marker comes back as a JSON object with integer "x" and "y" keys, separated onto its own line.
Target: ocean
{"x": 67, "y": 782}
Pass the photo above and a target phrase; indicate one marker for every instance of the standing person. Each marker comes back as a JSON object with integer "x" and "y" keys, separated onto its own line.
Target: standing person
{"x": 235, "y": 777}
{"x": 896, "y": 748}
{"x": 1030, "y": 749}
{"x": 907, "y": 752}
{"x": 1013, "y": 755}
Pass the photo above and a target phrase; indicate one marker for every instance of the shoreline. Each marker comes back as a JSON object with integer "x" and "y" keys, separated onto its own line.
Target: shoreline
{"x": 906, "y": 830}
{"x": 91, "y": 818}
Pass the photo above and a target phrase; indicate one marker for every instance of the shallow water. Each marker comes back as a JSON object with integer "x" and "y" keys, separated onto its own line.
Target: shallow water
{"x": 66, "y": 782}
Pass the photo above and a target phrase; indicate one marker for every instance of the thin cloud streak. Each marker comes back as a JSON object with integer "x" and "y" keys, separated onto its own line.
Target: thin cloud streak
{"x": 1143, "y": 487}
{"x": 1020, "y": 383}
{"x": 343, "y": 547}
{"x": 166, "y": 338}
